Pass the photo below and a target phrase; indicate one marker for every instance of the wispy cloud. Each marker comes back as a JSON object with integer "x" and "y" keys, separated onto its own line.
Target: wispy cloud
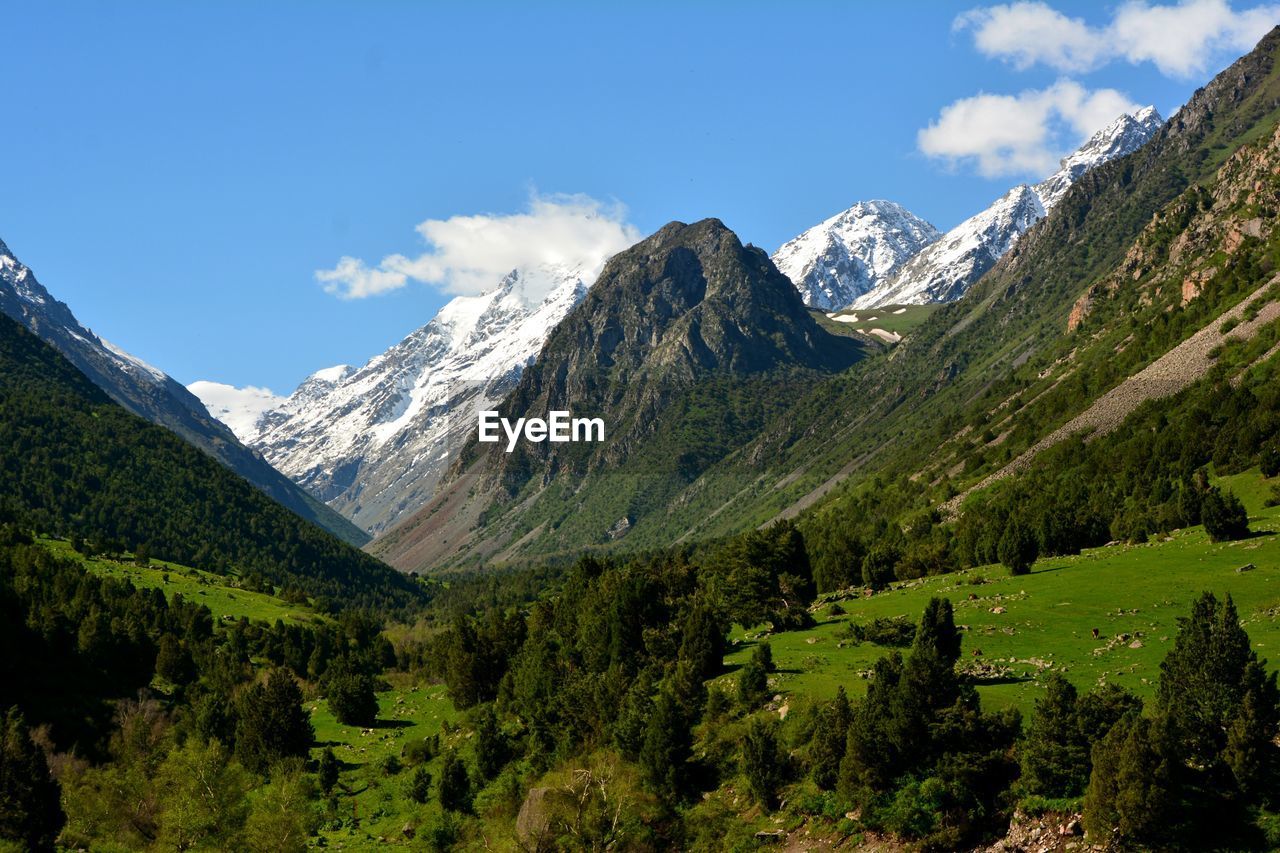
{"x": 1182, "y": 40}
{"x": 1020, "y": 134}
{"x": 470, "y": 254}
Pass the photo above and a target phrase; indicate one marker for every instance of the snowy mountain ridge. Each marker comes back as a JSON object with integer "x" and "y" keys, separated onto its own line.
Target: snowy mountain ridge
{"x": 838, "y": 260}
{"x": 944, "y": 270}
{"x": 373, "y": 441}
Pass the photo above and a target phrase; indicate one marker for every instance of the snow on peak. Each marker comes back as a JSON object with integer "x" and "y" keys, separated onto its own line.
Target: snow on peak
{"x": 845, "y": 256}
{"x": 373, "y": 440}
{"x": 238, "y": 408}
{"x": 944, "y": 270}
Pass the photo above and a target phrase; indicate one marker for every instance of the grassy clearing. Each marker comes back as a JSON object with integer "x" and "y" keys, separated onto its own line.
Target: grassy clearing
{"x": 212, "y": 590}
{"x": 371, "y": 807}
{"x": 1046, "y": 619}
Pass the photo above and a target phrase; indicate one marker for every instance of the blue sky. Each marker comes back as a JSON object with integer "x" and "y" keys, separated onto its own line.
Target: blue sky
{"x": 179, "y": 172}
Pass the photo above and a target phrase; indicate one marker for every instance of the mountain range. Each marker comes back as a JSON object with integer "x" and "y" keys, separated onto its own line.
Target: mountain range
{"x": 879, "y": 253}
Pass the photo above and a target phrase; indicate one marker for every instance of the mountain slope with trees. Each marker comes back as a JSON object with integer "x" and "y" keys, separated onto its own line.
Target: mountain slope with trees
{"x": 76, "y": 463}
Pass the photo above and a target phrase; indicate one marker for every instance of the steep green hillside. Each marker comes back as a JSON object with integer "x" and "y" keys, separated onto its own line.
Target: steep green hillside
{"x": 75, "y": 463}
{"x": 983, "y": 379}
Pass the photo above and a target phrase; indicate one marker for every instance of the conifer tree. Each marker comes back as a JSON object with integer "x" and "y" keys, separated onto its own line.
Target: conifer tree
{"x": 30, "y": 807}
{"x": 762, "y": 762}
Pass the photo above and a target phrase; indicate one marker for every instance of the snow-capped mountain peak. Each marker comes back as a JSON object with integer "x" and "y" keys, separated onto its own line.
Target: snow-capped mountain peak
{"x": 845, "y": 256}
{"x": 372, "y": 441}
{"x": 944, "y": 270}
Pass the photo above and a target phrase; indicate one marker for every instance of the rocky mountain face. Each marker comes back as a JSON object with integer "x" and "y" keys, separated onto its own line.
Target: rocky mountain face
{"x": 373, "y": 441}
{"x": 944, "y": 270}
{"x": 837, "y": 261}
{"x": 150, "y": 393}
{"x": 680, "y": 347}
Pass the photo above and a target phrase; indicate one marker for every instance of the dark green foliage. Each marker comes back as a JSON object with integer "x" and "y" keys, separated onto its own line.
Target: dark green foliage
{"x": 81, "y": 464}
{"x": 1269, "y": 460}
{"x": 1018, "y": 548}
{"x": 880, "y": 565}
{"x": 327, "y": 770}
{"x": 173, "y": 661}
{"x": 667, "y": 748}
{"x": 352, "y": 698}
{"x": 1223, "y": 516}
{"x": 896, "y": 631}
{"x": 763, "y": 762}
{"x": 420, "y": 786}
{"x": 753, "y": 683}
{"x": 826, "y": 749}
{"x": 1055, "y": 752}
{"x": 492, "y": 749}
{"x": 763, "y": 655}
{"x": 920, "y": 756}
{"x": 272, "y": 725}
{"x": 455, "y": 785}
{"x": 1212, "y": 685}
{"x": 30, "y": 810}
{"x": 765, "y": 576}
{"x": 703, "y": 643}
{"x": 1133, "y": 790}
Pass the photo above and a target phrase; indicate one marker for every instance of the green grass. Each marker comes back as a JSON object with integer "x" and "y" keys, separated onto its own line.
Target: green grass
{"x": 370, "y": 805}
{"x": 212, "y": 590}
{"x": 886, "y": 318}
{"x": 1048, "y": 617}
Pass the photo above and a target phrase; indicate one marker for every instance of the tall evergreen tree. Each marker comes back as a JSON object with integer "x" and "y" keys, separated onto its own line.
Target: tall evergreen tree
{"x": 667, "y": 747}
{"x": 455, "y": 785}
{"x": 826, "y": 749}
{"x": 762, "y": 762}
{"x": 272, "y": 723}
{"x": 30, "y": 807}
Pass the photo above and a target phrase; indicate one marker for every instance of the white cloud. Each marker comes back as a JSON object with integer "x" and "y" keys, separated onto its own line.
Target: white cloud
{"x": 470, "y": 254}
{"x": 1182, "y": 39}
{"x": 238, "y": 408}
{"x": 1020, "y": 134}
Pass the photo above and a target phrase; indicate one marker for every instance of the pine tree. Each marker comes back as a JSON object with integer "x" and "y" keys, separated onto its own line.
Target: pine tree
{"x": 1018, "y": 548}
{"x": 420, "y": 786}
{"x": 1223, "y": 515}
{"x": 753, "y": 683}
{"x": 455, "y": 785}
{"x": 352, "y": 698}
{"x": 490, "y": 745}
{"x": 1205, "y": 677}
{"x": 826, "y": 749}
{"x": 273, "y": 724}
{"x": 1133, "y": 793}
{"x": 30, "y": 807}
{"x": 762, "y": 762}
{"x": 1055, "y": 753}
{"x": 328, "y": 770}
{"x": 702, "y": 645}
{"x": 667, "y": 747}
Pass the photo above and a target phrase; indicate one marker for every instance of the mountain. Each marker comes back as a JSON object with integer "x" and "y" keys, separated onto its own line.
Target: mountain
{"x": 373, "y": 441}
{"x": 1032, "y": 345}
{"x": 683, "y": 347}
{"x": 150, "y": 393}
{"x": 79, "y": 464}
{"x": 944, "y": 271}
{"x": 836, "y": 261}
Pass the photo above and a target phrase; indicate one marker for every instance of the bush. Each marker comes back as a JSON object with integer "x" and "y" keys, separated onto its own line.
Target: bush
{"x": 896, "y": 631}
{"x": 420, "y": 786}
